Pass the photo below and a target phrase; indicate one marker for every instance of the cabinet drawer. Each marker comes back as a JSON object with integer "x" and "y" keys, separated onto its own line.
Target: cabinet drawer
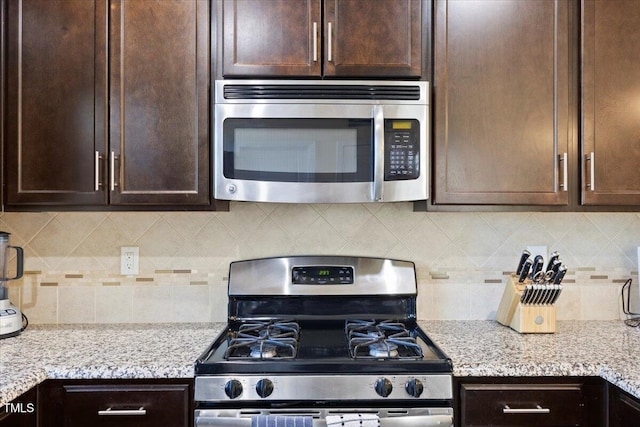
{"x": 126, "y": 405}
{"x": 522, "y": 405}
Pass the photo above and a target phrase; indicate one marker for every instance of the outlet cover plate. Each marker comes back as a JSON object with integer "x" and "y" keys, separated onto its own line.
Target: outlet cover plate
{"x": 129, "y": 260}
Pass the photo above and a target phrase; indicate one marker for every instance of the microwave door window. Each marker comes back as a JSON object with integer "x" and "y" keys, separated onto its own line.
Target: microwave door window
{"x": 337, "y": 151}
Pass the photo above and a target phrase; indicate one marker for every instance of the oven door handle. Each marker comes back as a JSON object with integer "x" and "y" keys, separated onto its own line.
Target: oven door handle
{"x": 222, "y": 422}
{"x": 409, "y": 421}
{"x": 417, "y": 421}
{"x": 378, "y": 153}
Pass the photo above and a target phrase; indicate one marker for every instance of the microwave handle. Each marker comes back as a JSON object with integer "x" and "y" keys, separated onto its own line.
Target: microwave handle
{"x": 378, "y": 153}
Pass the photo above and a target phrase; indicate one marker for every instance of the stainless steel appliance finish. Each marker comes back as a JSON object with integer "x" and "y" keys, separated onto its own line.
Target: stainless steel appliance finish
{"x": 326, "y": 387}
{"x": 329, "y": 334}
{"x": 373, "y": 276}
{"x": 389, "y": 417}
{"x": 310, "y": 141}
{"x": 12, "y": 321}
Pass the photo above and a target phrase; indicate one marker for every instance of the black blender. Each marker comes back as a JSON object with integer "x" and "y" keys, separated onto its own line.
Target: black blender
{"x": 12, "y": 321}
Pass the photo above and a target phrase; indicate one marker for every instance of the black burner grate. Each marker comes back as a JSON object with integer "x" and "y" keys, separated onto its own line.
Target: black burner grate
{"x": 275, "y": 339}
{"x": 368, "y": 339}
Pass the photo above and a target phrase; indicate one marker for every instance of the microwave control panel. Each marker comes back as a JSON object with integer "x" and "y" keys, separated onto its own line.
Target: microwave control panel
{"x": 401, "y": 149}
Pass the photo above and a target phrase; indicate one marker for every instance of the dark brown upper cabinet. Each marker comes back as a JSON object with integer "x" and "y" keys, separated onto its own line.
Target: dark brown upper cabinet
{"x": 356, "y": 38}
{"x": 610, "y": 102}
{"x": 159, "y": 98}
{"x": 107, "y": 103}
{"x": 502, "y": 99}
{"x": 56, "y": 101}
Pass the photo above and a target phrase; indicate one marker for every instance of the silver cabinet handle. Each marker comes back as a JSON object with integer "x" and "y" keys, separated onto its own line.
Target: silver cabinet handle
{"x": 378, "y": 153}
{"x": 565, "y": 174}
{"x": 96, "y": 183}
{"x": 329, "y": 53}
{"x": 537, "y": 410}
{"x": 592, "y": 171}
{"x": 123, "y": 412}
{"x": 112, "y": 171}
{"x": 315, "y": 42}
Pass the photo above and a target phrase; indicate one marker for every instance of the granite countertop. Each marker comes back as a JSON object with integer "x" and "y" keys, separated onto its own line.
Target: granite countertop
{"x": 608, "y": 349}
{"x": 101, "y": 351}
{"x": 477, "y": 348}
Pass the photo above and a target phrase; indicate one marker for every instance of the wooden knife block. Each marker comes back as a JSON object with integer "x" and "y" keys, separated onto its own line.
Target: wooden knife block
{"x": 526, "y": 319}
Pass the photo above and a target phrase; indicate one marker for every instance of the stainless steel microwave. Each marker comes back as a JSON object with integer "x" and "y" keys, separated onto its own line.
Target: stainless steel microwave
{"x": 308, "y": 141}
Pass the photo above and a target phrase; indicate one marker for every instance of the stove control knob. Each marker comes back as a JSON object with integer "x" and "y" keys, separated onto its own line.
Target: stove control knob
{"x": 414, "y": 387}
{"x": 264, "y": 388}
{"x": 383, "y": 387}
{"x": 233, "y": 389}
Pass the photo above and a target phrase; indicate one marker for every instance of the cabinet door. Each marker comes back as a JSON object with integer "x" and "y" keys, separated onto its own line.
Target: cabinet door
{"x": 624, "y": 409}
{"x": 159, "y": 102}
{"x": 56, "y": 103}
{"x": 491, "y": 405}
{"x": 271, "y": 38}
{"x": 373, "y": 39}
{"x": 610, "y": 103}
{"x": 501, "y": 94}
{"x": 108, "y": 404}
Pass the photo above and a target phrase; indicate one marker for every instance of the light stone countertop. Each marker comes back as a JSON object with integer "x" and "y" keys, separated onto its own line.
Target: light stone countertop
{"x": 101, "y": 351}
{"x": 608, "y": 349}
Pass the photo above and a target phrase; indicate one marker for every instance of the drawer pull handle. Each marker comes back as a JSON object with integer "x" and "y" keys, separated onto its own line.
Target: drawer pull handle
{"x": 123, "y": 412}
{"x": 537, "y": 410}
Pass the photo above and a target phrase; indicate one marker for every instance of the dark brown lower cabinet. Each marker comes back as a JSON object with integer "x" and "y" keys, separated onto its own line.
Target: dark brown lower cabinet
{"x": 539, "y": 401}
{"x": 121, "y": 403}
{"x": 624, "y": 409}
{"x": 20, "y": 412}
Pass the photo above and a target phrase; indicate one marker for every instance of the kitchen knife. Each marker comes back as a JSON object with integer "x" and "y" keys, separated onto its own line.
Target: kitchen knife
{"x": 556, "y": 294}
{"x": 525, "y": 270}
{"x": 548, "y": 295}
{"x": 525, "y": 254}
{"x": 555, "y": 266}
{"x": 538, "y": 264}
{"x": 534, "y": 294}
{"x": 552, "y": 258}
{"x": 529, "y": 294}
{"x": 525, "y": 295}
{"x": 558, "y": 277}
{"x": 541, "y": 293}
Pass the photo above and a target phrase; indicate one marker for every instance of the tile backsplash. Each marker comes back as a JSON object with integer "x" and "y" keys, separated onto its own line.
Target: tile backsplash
{"x": 72, "y": 260}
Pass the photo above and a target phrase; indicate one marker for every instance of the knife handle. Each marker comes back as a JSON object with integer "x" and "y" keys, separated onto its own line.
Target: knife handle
{"x": 556, "y": 266}
{"x": 525, "y": 255}
{"x": 525, "y": 270}
{"x": 558, "y": 277}
{"x": 552, "y": 258}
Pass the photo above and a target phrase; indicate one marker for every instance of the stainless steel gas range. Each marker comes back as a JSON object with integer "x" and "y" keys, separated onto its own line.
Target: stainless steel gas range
{"x": 321, "y": 340}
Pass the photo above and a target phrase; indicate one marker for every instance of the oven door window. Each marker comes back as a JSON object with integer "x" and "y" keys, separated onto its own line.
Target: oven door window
{"x": 298, "y": 150}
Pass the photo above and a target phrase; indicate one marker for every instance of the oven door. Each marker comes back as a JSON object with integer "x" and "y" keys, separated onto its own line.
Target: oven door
{"x": 318, "y": 152}
{"x": 414, "y": 417}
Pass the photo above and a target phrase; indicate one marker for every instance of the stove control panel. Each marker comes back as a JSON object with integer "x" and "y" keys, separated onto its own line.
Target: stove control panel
{"x": 323, "y": 387}
{"x": 322, "y": 275}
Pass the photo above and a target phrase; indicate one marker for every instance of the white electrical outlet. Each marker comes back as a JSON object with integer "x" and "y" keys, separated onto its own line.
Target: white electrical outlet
{"x": 129, "y": 260}
{"x": 538, "y": 250}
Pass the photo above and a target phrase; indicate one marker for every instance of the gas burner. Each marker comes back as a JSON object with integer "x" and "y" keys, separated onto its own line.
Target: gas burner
{"x": 381, "y": 340}
{"x": 275, "y": 339}
{"x": 383, "y": 349}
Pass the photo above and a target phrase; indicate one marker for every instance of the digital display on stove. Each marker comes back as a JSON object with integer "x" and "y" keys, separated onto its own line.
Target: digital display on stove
{"x": 322, "y": 275}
